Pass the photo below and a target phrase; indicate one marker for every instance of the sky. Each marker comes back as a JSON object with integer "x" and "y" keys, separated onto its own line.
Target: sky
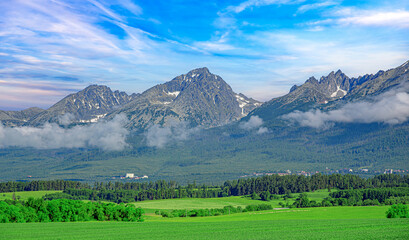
{"x": 51, "y": 48}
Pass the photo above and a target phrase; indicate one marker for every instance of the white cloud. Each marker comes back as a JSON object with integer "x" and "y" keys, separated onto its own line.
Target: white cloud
{"x": 66, "y": 38}
{"x": 399, "y": 18}
{"x": 225, "y": 21}
{"x": 132, "y": 7}
{"x": 390, "y": 108}
{"x": 256, "y": 3}
{"x": 254, "y": 123}
{"x": 106, "y": 10}
{"x": 349, "y": 16}
{"x": 216, "y": 45}
{"x": 66, "y": 119}
{"x": 262, "y": 130}
{"x": 308, "y": 7}
{"x": 159, "y": 136}
{"x": 107, "y": 135}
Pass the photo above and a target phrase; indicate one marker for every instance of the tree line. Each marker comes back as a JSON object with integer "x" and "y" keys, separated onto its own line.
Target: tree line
{"x": 355, "y": 197}
{"x": 375, "y": 196}
{"x": 266, "y": 187}
{"x": 275, "y": 184}
{"x": 66, "y": 210}
{"x": 41, "y": 185}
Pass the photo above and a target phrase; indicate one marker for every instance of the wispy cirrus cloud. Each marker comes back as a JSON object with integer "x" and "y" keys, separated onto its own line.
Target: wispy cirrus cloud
{"x": 21, "y": 93}
{"x": 132, "y": 7}
{"x": 106, "y": 10}
{"x": 62, "y": 40}
{"x": 257, "y": 3}
{"x": 307, "y": 7}
{"x": 316, "y": 55}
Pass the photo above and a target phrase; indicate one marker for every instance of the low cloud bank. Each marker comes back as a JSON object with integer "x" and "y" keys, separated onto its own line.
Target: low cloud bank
{"x": 107, "y": 135}
{"x": 158, "y": 136}
{"x": 66, "y": 119}
{"x": 255, "y": 122}
{"x": 391, "y": 107}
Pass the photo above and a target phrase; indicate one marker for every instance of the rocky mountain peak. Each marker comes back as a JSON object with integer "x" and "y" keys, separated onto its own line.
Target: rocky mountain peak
{"x": 87, "y": 105}
{"x": 312, "y": 80}
{"x": 94, "y": 87}
{"x": 198, "y": 75}
{"x": 293, "y": 88}
{"x": 334, "y": 85}
{"x": 203, "y": 70}
{"x": 198, "y": 97}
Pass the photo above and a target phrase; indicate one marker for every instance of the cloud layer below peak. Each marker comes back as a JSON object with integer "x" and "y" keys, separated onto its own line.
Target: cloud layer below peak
{"x": 106, "y": 135}
{"x": 391, "y": 107}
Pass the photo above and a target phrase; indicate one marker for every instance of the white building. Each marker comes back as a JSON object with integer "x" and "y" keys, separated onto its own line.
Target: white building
{"x": 130, "y": 175}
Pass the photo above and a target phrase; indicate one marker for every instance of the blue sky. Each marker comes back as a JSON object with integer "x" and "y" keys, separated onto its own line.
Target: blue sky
{"x": 50, "y": 48}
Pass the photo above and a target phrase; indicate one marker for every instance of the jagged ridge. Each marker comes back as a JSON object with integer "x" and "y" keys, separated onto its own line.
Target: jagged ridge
{"x": 332, "y": 91}
{"x": 88, "y": 105}
{"x": 198, "y": 97}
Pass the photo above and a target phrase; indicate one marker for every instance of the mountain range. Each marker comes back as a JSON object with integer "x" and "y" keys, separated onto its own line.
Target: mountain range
{"x": 367, "y": 128}
{"x": 198, "y": 97}
{"x": 333, "y": 91}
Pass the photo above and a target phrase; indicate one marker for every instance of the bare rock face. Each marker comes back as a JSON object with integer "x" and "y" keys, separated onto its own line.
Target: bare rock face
{"x": 88, "y": 105}
{"x": 198, "y": 97}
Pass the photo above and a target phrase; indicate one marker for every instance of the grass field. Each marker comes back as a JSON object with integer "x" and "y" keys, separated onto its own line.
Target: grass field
{"x": 197, "y": 203}
{"x": 25, "y": 195}
{"x": 313, "y": 223}
{"x": 306, "y": 223}
{"x": 335, "y": 213}
{"x": 201, "y": 203}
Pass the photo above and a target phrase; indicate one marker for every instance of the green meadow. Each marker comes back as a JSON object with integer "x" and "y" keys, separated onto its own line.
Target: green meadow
{"x": 318, "y": 223}
{"x": 295, "y": 223}
{"x": 201, "y": 203}
{"x": 197, "y": 203}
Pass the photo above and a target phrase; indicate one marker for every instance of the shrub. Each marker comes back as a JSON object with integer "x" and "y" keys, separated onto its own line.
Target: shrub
{"x": 398, "y": 211}
{"x": 255, "y": 196}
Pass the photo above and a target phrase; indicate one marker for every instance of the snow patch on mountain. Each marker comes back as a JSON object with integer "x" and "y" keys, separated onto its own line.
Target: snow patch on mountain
{"x": 334, "y": 94}
{"x": 175, "y": 94}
